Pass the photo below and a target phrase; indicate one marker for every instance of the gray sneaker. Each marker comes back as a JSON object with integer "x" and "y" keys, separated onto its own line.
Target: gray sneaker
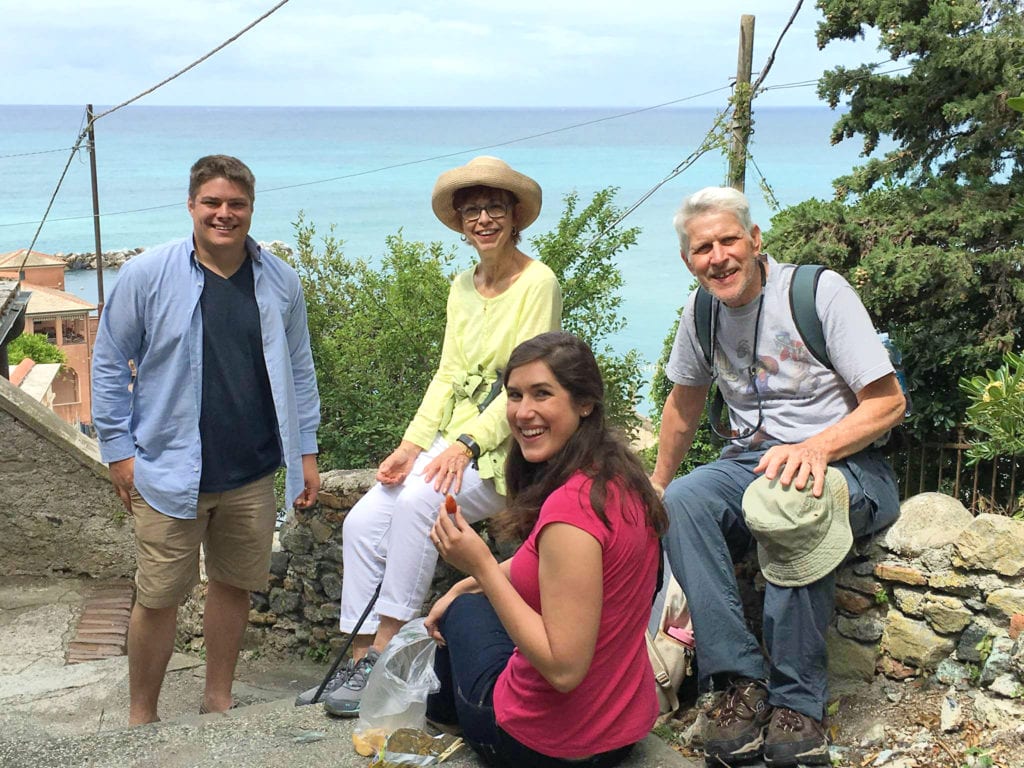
{"x": 344, "y": 700}
{"x": 340, "y": 678}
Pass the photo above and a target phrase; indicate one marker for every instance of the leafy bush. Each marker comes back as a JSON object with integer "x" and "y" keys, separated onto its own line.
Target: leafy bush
{"x": 996, "y": 410}
{"x": 35, "y": 347}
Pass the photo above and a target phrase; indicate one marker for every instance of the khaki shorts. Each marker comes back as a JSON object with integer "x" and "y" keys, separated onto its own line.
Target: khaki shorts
{"x": 235, "y": 528}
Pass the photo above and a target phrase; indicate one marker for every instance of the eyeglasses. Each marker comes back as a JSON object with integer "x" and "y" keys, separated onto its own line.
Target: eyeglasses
{"x": 494, "y": 211}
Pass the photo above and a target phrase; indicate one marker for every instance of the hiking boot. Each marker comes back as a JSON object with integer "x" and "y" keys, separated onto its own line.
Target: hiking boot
{"x": 736, "y": 731}
{"x": 339, "y": 678}
{"x": 343, "y": 701}
{"x": 795, "y": 739}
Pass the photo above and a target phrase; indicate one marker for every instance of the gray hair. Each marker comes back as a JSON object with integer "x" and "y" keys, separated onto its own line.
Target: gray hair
{"x": 711, "y": 200}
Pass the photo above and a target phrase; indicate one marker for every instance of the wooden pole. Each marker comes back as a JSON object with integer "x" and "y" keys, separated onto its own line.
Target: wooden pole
{"x": 741, "y": 108}
{"x": 95, "y": 212}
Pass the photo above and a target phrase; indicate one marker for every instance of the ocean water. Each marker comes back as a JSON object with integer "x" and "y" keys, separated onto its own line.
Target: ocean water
{"x": 369, "y": 173}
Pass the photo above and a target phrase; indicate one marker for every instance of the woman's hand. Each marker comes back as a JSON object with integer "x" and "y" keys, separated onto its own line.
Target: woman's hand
{"x": 396, "y": 467}
{"x": 437, "y": 612}
{"x": 458, "y": 543}
{"x": 447, "y": 467}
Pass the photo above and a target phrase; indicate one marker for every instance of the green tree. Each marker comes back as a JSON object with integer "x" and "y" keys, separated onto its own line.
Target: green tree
{"x": 376, "y": 332}
{"x": 948, "y": 114}
{"x": 931, "y": 233}
{"x": 376, "y": 335}
{"x": 35, "y": 347}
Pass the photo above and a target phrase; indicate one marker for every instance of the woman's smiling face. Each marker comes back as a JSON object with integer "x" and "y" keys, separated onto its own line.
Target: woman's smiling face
{"x": 540, "y": 411}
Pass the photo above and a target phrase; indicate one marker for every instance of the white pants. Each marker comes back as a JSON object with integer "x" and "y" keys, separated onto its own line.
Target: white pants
{"x": 386, "y": 540}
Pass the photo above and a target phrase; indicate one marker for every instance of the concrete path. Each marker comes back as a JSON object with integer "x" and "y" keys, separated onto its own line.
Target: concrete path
{"x": 54, "y": 715}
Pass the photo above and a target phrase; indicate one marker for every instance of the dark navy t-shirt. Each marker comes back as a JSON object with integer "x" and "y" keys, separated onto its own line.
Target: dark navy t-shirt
{"x": 237, "y": 422}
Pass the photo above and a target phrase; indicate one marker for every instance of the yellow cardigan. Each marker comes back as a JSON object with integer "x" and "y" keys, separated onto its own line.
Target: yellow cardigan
{"x": 479, "y": 336}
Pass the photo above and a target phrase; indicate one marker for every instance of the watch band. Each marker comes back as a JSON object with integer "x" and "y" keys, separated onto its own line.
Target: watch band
{"x": 471, "y": 445}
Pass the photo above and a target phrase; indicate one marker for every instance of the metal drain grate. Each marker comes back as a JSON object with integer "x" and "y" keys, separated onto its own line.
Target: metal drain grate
{"x": 102, "y": 630}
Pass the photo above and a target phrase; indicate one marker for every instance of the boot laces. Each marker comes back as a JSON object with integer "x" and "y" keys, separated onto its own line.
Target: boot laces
{"x": 789, "y": 720}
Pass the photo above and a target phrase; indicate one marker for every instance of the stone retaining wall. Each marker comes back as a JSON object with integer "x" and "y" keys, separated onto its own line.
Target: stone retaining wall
{"x": 300, "y": 610}
{"x": 939, "y": 593}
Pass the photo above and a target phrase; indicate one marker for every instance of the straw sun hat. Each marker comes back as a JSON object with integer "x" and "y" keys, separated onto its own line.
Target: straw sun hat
{"x": 489, "y": 172}
{"x": 800, "y": 538}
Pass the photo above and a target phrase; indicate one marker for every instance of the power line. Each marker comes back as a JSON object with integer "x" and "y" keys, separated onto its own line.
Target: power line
{"x": 40, "y": 152}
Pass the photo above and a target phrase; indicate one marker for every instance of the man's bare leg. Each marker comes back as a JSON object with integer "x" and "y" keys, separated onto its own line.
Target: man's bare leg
{"x": 150, "y": 645}
{"x": 224, "y": 620}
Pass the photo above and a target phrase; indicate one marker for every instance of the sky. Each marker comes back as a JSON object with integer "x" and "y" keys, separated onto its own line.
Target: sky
{"x": 571, "y": 53}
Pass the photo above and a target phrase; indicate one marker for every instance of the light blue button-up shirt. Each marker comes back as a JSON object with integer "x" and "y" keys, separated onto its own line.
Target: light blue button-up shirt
{"x": 153, "y": 317}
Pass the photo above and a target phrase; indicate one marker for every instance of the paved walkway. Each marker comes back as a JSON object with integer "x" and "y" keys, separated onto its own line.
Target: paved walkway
{"x": 54, "y": 715}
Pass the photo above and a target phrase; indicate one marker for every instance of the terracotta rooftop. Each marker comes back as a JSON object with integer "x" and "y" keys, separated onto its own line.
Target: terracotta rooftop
{"x": 50, "y": 301}
{"x": 13, "y": 260}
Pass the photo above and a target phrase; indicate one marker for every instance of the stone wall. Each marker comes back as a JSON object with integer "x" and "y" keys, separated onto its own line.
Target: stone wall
{"x": 940, "y": 592}
{"x": 58, "y": 512}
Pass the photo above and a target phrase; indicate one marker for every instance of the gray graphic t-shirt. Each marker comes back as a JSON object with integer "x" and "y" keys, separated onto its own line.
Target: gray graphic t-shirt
{"x": 800, "y": 397}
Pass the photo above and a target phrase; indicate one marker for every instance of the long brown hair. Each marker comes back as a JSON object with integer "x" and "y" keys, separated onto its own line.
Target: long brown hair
{"x": 592, "y": 449}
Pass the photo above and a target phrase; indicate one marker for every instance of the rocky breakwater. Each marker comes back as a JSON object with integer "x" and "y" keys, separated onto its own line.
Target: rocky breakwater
{"x": 116, "y": 259}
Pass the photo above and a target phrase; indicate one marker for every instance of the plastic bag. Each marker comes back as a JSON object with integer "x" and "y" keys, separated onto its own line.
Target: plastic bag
{"x": 396, "y": 691}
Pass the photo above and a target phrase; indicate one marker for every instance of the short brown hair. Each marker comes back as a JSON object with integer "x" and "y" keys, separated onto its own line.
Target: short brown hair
{"x": 221, "y": 167}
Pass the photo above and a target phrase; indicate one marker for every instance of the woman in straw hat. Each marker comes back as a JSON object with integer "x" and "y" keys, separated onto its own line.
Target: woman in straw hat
{"x": 458, "y": 440}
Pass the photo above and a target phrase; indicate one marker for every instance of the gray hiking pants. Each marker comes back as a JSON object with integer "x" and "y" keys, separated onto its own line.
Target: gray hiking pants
{"x": 707, "y": 531}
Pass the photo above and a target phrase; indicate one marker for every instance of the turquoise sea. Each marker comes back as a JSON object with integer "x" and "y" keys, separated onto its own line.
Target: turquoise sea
{"x": 369, "y": 172}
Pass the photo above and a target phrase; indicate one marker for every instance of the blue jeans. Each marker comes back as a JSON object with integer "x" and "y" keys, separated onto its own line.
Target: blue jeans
{"x": 707, "y": 532}
{"x": 476, "y": 651}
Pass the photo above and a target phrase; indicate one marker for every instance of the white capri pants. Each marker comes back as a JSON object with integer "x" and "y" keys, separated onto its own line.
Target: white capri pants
{"x": 386, "y": 540}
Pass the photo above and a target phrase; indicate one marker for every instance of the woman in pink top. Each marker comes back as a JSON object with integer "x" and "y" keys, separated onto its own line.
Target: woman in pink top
{"x": 543, "y": 660}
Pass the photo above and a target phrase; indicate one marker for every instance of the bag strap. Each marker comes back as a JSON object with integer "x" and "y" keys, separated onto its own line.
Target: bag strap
{"x": 702, "y": 321}
{"x": 802, "y": 292}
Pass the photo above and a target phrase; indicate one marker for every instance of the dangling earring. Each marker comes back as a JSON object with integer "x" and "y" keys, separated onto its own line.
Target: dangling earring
{"x": 463, "y": 238}
{"x": 515, "y": 231}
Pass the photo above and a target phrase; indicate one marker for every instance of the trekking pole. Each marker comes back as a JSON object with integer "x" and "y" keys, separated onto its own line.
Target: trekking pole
{"x": 347, "y": 645}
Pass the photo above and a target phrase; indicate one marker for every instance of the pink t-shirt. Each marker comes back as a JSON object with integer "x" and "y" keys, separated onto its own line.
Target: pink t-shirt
{"x": 616, "y": 703}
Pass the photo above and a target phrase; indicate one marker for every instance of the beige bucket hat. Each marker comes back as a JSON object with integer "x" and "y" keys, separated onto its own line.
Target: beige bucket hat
{"x": 489, "y": 172}
{"x": 800, "y": 538}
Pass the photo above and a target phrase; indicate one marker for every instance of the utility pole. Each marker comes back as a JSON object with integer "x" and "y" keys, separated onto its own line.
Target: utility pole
{"x": 741, "y": 107}
{"x": 95, "y": 211}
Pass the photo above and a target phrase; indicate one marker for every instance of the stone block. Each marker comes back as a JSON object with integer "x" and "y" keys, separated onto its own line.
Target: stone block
{"x": 853, "y": 602}
{"x": 903, "y": 574}
{"x": 866, "y": 585}
{"x": 346, "y": 486}
{"x": 895, "y": 669}
{"x": 945, "y": 614}
{"x": 297, "y": 540}
{"x": 1016, "y": 625}
{"x": 999, "y": 660}
{"x": 282, "y": 602}
{"x": 913, "y": 642}
{"x": 927, "y": 521}
{"x": 321, "y": 531}
{"x": 953, "y": 672}
{"x": 968, "y": 648}
{"x": 1006, "y": 602}
{"x": 992, "y": 543}
{"x": 848, "y": 659}
{"x": 953, "y": 583}
{"x": 909, "y": 601}
{"x": 332, "y": 552}
{"x": 330, "y": 582}
{"x": 866, "y": 629}
{"x": 279, "y": 562}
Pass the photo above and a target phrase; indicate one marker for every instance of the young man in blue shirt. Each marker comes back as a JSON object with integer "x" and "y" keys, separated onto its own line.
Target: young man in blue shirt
{"x": 219, "y": 393}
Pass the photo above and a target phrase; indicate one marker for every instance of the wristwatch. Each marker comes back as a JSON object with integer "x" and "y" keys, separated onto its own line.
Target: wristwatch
{"x": 471, "y": 445}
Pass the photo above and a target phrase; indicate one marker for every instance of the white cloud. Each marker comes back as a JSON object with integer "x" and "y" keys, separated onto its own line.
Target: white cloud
{"x": 534, "y": 52}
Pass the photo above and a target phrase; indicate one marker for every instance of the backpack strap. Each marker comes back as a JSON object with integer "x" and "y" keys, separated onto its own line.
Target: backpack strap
{"x": 802, "y": 292}
{"x": 702, "y": 320}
